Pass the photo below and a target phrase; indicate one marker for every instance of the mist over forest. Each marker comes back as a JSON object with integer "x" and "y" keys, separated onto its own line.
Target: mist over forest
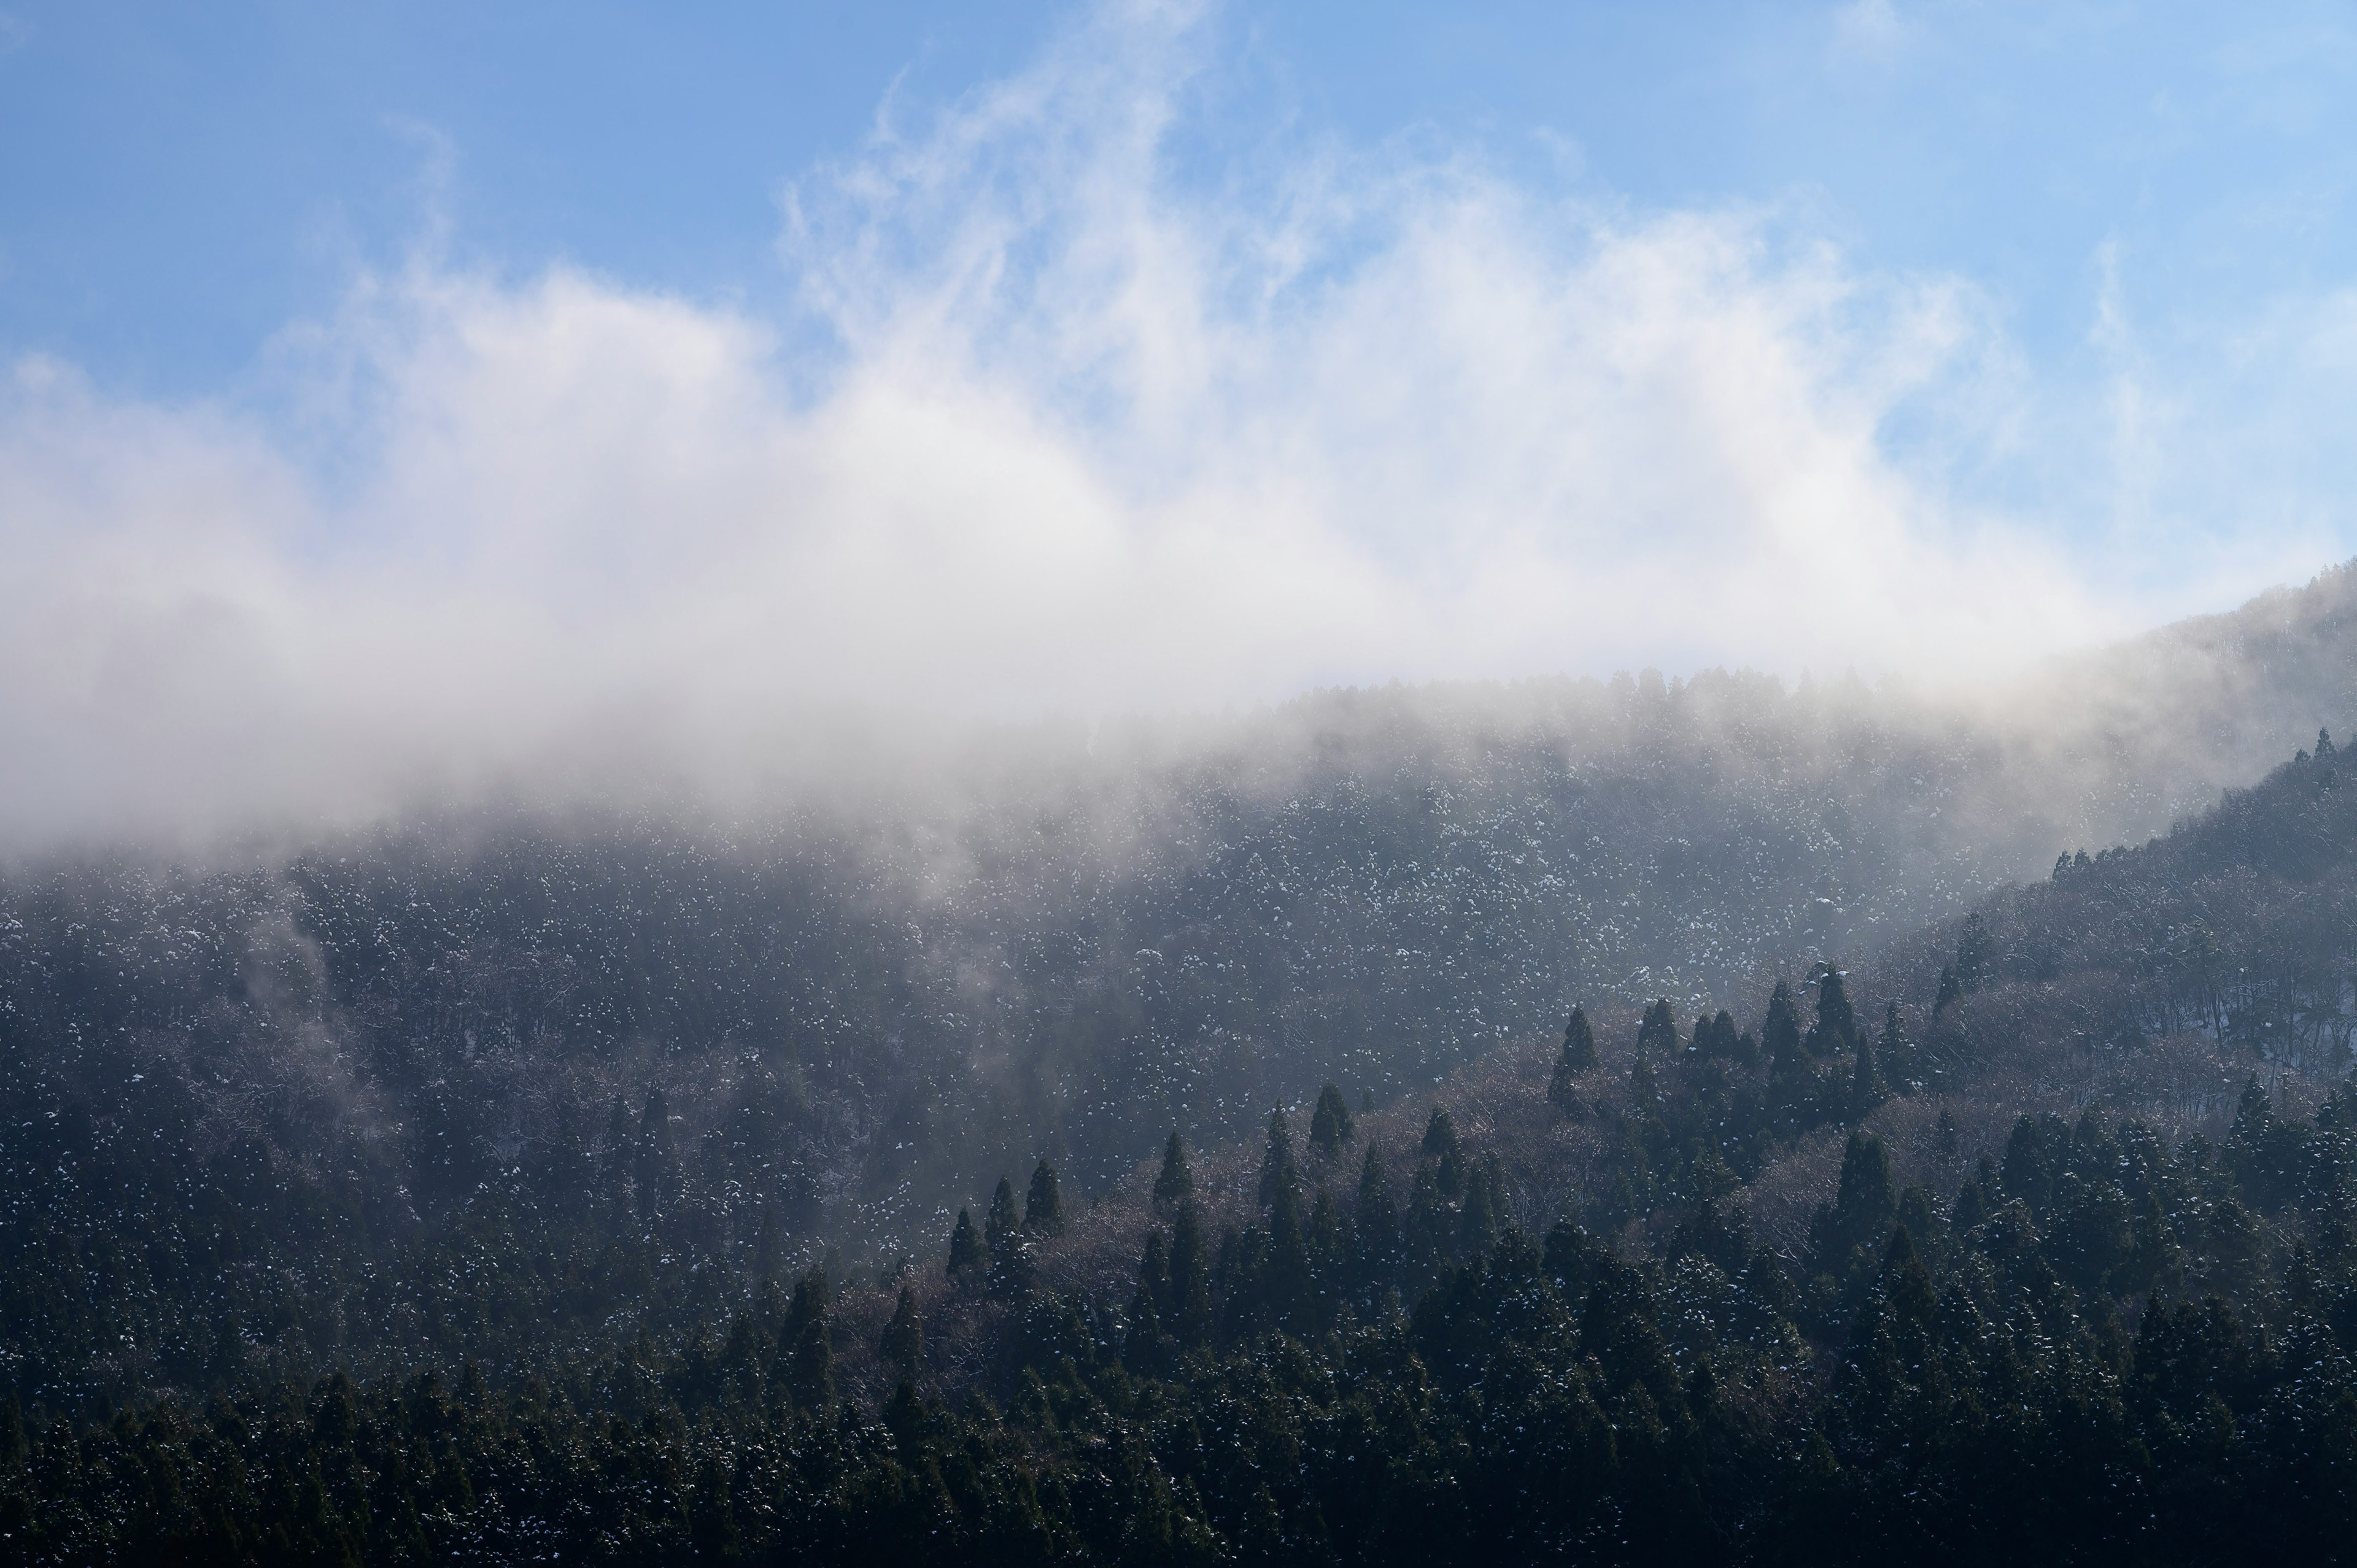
{"x": 690, "y": 1136}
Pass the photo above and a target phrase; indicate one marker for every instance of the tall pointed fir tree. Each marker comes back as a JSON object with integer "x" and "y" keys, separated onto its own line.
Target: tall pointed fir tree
{"x": 969, "y": 1255}
{"x": 1002, "y": 1232}
{"x": 1190, "y": 1280}
{"x": 1792, "y": 1086}
{"x": 1176, "y": 1185}
{"x": 1657, "y": 1033}
{"x": 1867, "y": 1089}
{"x": 1043, "y": 1206}
{"x": 1276, "y": 1169}
{"x": 1329, "y": 1126}
{"x": 1835, "y": 1034}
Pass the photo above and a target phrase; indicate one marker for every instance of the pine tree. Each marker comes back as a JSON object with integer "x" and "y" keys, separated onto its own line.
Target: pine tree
{"x": 1847, "y": 1234}
{"x": 1176, "y": 1185}
{"x": 1430, "y": 1228}
{"x": 1001, "y": 1222}
{"x": 1146, "y": 1345}
{"x": 1329, "y": 1126}
{"x": 1010, "y": 1252}
{"x": 1285, "y": 1284}
{"x": 903, "y": 1345}
{"x": 1836, "y": 1033}
{"x": 1578, "y": 1043}
{"x": 1153, "y": 1274}
{"x": 1793, "y": 1085}
{"x": 1190, "y": 1280}
{"x": 1657, "y": 1033}
{"x": 1043, "y": 1207}
{"x": 1867, "y": 1090}
{"x": 968, "y": 1254}
{"x": 1276, "y": 1172}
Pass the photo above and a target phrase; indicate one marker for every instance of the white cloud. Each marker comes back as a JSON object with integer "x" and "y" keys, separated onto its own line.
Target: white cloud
{"x": 1087, "y": 437}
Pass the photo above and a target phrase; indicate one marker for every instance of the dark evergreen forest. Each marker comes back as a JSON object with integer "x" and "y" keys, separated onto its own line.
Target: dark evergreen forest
{"x": 1442, "y": 1143}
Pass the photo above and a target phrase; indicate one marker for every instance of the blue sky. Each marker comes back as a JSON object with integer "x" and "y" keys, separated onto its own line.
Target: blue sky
{"x": 407, "y": 388}
{"x": 181, "y": 181}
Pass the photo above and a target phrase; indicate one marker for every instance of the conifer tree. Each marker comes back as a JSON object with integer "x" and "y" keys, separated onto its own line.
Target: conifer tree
{"x": 968, "y": 1253}
{"x": 1430, "y": 1229}
{"x": 1657, "y": 1033}
{"x": 1847, "y": 1233}
{"x": 1330, "y": 1244}
{"x": 1578, "y": 1043}
{"x": 1276, "y": 1172}
{"x": 1440, "y": 1137}
{"x": 1144, "y": 1346}
{"x": 1329, "y": 1126}
{"x": 1153, "y": 1274}
{"x": 1190, "y": 1280}
{"x": 1793, "y": 1085}
{"x": 1836, "y": 1033}
{"x": 1285, "y": 1284}
{"x": 1043, "y": 1207}
{"x": 1176, "y": 1185}
{"x": 1867, "y": 1089}
{"x": 1000, "y": 1222}
{"x": 903, "y": 1345}
{"x": 1010, "y": 1255}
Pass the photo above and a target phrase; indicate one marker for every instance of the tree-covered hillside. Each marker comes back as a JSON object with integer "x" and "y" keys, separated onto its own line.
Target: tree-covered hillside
{"x": 671, "y": 1143}
{"x": 1833, "y": 1284}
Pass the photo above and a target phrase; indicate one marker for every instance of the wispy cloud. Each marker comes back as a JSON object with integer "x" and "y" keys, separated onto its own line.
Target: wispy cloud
{"x": 1080, "y": 431}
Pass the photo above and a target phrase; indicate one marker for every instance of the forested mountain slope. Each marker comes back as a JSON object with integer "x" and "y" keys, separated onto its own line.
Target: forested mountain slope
{"x": 2054, "y": 1255}
{"x": 810, "y": 1029}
